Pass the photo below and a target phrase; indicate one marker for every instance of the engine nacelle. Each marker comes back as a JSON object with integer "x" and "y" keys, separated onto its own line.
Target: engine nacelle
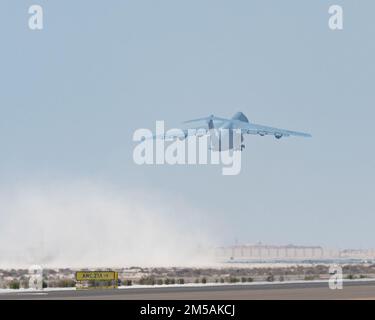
{"x": 278, "y": 135}
{"x": 182, "y": 137}
{"x": 200, "y": 133}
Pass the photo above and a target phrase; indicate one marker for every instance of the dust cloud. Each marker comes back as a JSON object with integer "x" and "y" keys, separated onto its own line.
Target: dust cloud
{"x": 86, "y": 224}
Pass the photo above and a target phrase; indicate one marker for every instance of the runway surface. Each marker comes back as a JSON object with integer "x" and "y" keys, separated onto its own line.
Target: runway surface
{"x": 306, "y": 290}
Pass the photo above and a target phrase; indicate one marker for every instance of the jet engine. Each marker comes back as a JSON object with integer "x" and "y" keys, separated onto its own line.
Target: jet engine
{"x": 278, "y": 135}
{"x": 200, "y": 133}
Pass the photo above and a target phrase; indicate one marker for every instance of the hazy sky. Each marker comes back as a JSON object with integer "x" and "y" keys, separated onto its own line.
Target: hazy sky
{"x": 72, "y": 95}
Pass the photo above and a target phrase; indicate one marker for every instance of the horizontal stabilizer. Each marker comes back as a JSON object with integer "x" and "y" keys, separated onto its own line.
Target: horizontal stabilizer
{"x": 211, "y": 117}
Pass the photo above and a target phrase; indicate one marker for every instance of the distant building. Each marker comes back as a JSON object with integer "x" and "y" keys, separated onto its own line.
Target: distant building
{"x": 132, "y": 274}
{"x": 263, "y": 252}
{"x": 358, "y": 254}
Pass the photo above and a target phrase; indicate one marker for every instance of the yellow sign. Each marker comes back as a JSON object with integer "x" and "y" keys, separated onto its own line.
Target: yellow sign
{"x": 96, "y": 275}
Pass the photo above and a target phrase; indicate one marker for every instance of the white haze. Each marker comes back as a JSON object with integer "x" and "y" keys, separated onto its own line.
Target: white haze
{"x": 90, "y": 225}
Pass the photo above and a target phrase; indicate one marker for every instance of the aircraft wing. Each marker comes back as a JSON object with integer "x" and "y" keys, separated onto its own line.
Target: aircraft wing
{"x": 174, "y": 134}
{"x": 251, "y": 128}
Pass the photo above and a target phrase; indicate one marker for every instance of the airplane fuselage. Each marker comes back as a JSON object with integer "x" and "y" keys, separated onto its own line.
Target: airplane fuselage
{"x": 224, "y": 137}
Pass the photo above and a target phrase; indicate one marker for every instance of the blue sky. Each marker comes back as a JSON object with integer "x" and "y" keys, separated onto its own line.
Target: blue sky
{"x": 73, "y": 94}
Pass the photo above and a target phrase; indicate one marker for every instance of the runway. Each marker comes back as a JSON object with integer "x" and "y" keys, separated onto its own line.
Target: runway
{"x": 274, "y": 291}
